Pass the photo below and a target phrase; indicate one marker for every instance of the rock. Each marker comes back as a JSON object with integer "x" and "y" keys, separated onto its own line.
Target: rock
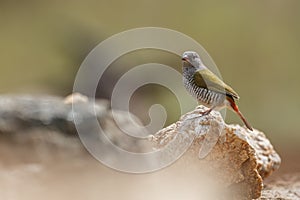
{"x": 19, "y": 113}
{"x": 31, "y": 119}
{"x": 267, "y": 159}
{"x": 75, "y": 98}
{"x": 218, "y": 158}
{"x": 235, "y": 157}
{"x": 285, "y": 187}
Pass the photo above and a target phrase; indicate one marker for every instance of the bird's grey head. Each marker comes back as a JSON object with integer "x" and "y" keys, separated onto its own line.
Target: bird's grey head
{"x": 192, "y": 59}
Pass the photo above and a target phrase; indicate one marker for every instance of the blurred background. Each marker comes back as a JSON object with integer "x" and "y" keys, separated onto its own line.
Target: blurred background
{"x": 255, "y": 44}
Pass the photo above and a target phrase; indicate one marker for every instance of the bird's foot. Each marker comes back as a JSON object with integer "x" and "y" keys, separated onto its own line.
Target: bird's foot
{"x": 203, "y": 113}
{"x": 206, "y": 112}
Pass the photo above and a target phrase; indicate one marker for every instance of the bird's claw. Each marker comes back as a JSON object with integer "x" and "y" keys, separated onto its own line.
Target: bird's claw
{"x": 203, "y": 113}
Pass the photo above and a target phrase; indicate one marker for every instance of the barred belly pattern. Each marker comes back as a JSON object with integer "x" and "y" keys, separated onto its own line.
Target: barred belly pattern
{"x": 203, "y": 95}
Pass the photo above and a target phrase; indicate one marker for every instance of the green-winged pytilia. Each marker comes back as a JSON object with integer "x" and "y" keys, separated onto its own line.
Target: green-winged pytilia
{"x": 206, "y": 87}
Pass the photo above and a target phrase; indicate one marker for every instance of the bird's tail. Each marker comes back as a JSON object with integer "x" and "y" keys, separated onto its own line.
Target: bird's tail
{"x": 244, "y": 120}
{"x": 236, "y": 109}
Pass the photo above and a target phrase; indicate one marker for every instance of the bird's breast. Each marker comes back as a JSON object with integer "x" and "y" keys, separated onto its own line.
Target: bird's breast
{"x": 204, "y": 96}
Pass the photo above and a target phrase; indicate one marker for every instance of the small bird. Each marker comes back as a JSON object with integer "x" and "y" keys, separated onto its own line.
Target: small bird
{"x": 207, "y": 88}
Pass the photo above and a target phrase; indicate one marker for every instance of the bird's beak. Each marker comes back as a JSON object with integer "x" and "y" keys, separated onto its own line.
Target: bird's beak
{"x": 185, "y": 59}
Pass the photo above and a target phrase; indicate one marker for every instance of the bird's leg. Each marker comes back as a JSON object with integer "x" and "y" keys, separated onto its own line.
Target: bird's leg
{"x": 207, "y": 111}
{"x": 203, "y": 113}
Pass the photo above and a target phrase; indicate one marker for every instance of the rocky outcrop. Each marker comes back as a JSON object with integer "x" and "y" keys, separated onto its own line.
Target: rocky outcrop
{"x": 235, "y": 157}
{"x": 215, "y": 158}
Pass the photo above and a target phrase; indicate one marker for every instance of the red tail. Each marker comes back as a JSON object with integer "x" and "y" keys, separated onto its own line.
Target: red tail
{"x": 236, "y": 109}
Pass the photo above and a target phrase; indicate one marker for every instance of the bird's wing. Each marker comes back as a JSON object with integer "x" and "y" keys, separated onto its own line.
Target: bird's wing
{"x": 206, "y": 79}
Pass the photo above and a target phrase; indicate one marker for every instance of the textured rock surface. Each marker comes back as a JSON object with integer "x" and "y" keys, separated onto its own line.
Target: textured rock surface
{"x": 39, "y": 131}
{"x": 267, "y": 158}
{"x": 234, "y": 156}
{"x": 285, "y": 187}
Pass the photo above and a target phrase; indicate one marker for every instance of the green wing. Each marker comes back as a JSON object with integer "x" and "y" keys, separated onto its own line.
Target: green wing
{"x": 206, "y": 79}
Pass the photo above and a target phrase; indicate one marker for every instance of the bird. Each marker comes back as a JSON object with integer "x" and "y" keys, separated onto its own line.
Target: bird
{"x": 207, "y": 88}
